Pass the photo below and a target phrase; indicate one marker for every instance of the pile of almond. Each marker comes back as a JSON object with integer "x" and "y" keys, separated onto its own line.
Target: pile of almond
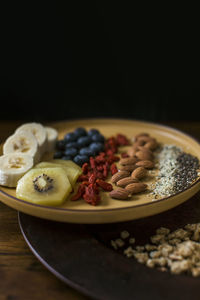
{"x": 133, "y": 167}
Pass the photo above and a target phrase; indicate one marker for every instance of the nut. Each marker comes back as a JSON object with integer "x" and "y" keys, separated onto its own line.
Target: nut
{"x": 119, "y": 175}
{"x": 144, "y": 154}
{"x": 128, "y": 168}
{"x": 139, "y": 173}
{"x": 131, "y": 152}
{"x": 119, "y": 193}
{"x": 125, "y": 181}
{"x": 151, "y": 145}
{"x": 136, "y": 187}
{"x": 141, "y": 135}
{"x": 128, "y": 160}
{"x": 144, "y": 138}
{"x": 147, "y": 164}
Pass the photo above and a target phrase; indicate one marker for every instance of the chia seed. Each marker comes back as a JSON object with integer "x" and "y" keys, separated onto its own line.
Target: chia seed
{"x": 177, "y": 171}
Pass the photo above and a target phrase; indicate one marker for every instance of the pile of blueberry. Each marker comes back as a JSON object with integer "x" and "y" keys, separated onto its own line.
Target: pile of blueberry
{"x": 79, "y": 145}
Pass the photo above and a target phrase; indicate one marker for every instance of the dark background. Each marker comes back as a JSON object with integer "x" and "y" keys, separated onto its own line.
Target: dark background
{"x": 78, "y": 60}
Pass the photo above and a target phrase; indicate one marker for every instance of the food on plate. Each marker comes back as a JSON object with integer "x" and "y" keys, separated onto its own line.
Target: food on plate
{"x": 71, "y": 169}
{"x": 177, "y": 170}
{"x": 39, "y": 132}
{"x": 13, "y": 166}
{"x": 22, "y": 142}
{"x": 44, "y": 186}
{"x": 93, "y": 164}
{"x": 80, "y": 145}
{"x": 52, "y": 137}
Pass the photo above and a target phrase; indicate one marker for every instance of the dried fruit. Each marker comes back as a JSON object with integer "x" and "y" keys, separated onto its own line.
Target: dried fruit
{"x": 104, "y": 185}
{"x": 113, "y": 169}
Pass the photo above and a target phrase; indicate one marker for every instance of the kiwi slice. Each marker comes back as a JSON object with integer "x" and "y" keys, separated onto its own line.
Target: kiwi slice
{"x": 44, "y": 186}
{"x": 67, "y": 163}
{"x": 71, "y": 169}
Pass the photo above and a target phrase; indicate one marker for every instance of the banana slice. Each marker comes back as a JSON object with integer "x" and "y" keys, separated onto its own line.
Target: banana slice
{"x": 13, "y": 166}
{"x": 39, "y": 132}
{"x": 22, "y": 142}
{"x": 52, "y": 136}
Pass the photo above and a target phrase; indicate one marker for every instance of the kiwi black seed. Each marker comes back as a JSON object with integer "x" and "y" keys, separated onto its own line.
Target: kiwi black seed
{"x": 47, "y": 187}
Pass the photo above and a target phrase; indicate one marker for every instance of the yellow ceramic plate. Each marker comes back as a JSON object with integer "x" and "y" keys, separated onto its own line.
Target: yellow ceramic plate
{"x": 110, "y": 210}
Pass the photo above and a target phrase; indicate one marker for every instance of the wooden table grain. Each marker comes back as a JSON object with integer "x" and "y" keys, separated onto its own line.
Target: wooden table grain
{"x": 22, "y": 276}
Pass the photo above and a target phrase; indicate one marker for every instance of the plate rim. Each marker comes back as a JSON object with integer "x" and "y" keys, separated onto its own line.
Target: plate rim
{"x": 71, "y": 210}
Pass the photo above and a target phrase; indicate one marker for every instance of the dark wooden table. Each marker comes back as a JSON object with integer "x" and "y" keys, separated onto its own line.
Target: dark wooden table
{"x": 22, "y": 276}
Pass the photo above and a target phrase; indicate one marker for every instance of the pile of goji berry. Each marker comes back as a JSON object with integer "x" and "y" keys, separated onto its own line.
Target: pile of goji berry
{"x": 92, "y": 180}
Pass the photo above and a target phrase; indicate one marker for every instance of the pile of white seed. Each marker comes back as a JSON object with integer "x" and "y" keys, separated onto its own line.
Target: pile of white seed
{"x": 177, "y": 171}
{"x": 177, "y": 251}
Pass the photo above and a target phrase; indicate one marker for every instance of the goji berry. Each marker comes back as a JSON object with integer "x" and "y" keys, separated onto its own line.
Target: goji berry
{"x": 79, "y": 193}
{"x": 113, "y": 169}
{"x": 100, "y": 159}
{"x": 104, "y": 185}
{"x": 122, "y": 140}
{"x": 92, "y": 163}
{"x": 90, "y": 195}
{"x": 92, "y": 178}
{"x": 85, "y": 167}
{"x": 105, "y": 169}
{"x": 97, "y": 170}
{"x": 82, "y": 178}
{"x": 112, "y": 158}
{"x": 124, "y": 155}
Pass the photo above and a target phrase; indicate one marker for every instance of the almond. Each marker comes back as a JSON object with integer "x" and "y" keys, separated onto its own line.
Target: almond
{"x": 125, "y": 181}
{"x": 136, "y": 187}
{"x": 139, "y": 173}
{"x": 119, "y": 175}
{"x": 144, "y": 154}
{"x": 144, "y": 138}
{"x": 151, "y": 145}
{"x": 128, "y": 160}
{"x": 131, "y": 152}
{"x": 128, "y": 168}
{"x": 140, "y": 135}
{"x": 119, "y": 193}
{"x": 147, "y": 164}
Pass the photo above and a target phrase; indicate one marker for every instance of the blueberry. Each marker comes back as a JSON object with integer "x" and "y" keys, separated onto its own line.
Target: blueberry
{"x": 67, "y": 157}
{"x": 83, "y": 141}
{"x": 96, "y": 147}
{"x": 97, "y": 138}
{"x": 60, "y": 145}
{"x": 80, "y": 131}
{"x": 71, "y": 152}
{"x": 80, "y": 159}
{"x": 93, "y": 131}
{"x": 58, "y": 154}
{"x": 86, "y": 151}
{"x": 71, "y": 145}
{"x": 70, "y": 137}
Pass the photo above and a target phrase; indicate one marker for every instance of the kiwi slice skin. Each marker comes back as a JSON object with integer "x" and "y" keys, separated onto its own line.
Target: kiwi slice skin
{"x": 55, "y": 196}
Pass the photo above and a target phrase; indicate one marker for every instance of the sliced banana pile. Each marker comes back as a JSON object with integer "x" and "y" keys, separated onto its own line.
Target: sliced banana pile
{"x": 23, "y": 149}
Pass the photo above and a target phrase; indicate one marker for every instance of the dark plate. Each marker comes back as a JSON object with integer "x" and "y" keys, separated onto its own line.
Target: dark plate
{"x": 81, "y": 256}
